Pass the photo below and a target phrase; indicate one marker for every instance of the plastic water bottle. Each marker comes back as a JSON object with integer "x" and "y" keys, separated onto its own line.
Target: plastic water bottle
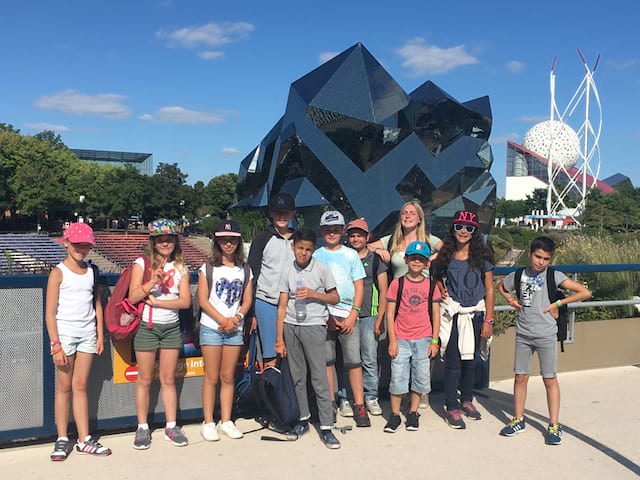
{"x": 300, "y": 304}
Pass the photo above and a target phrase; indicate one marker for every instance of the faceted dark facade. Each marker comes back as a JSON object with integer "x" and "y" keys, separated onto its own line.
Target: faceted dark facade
{"x": 351, "y": 139}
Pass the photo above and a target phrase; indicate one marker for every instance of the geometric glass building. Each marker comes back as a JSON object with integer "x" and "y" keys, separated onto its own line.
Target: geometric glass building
{"x": 353, "y": 140}
{"x": 143, "y": 162}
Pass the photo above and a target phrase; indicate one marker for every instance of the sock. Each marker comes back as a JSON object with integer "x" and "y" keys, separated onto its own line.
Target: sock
{"x": 170, "y": 424}
{"x": 144, "y": 426}
{"x": 66, "y": 439}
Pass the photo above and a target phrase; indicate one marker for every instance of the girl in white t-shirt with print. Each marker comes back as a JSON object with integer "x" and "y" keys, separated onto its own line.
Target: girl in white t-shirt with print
{"x": 221, "y": 326}
{"x": 159, "y": 335}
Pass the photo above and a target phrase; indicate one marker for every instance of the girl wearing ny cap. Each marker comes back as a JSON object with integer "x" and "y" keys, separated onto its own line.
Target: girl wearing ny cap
{"x": 464, "y": 267}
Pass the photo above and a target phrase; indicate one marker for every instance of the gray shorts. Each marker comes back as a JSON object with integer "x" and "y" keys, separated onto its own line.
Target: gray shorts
{"x": 547, "y": 349}
{"x": 350, "y": 344}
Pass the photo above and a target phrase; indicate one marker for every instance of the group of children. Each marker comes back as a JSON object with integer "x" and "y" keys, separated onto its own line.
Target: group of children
{"x": 305, "y": 302}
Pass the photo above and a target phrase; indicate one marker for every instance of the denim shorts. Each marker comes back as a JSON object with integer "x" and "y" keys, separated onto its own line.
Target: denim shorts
{"x": 412, "y": 362}
{"x": 71, "y": 345}
{"x": 216, "y": 338}
{"x": 350, "y": 344}
{"x": 547, "y": 349}
{"x": 160, "y": 335}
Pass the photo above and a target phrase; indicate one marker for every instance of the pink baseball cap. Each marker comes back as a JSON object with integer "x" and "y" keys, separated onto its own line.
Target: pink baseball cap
{"x": 79, "y": 233}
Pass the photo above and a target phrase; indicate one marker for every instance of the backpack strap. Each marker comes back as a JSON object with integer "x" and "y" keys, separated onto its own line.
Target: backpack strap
{"x": 516, "y": 282}
{"x": 96, "y": 280}
{"x": 247, "y": 278}
{"x": 209, "y": 273}
{"x": 146, "y": 276}
{"x": 399, "y": 296}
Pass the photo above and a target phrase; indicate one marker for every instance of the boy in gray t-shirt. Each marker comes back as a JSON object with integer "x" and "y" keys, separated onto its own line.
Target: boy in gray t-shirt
{"x": 306, "y": 288}
{"x": 536, "y": 330}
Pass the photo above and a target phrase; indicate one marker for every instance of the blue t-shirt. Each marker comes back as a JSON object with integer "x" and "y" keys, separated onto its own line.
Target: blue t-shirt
{"x": 346, "y": 267}
{"x": 465, "y": 284}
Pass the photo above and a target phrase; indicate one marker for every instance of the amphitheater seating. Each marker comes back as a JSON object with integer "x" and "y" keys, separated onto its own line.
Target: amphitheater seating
{"x": 29, "y": 253}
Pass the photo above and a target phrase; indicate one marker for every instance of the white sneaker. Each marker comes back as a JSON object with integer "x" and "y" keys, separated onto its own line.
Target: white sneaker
{"x": 424, "y": 401}
{"x": 209, "y": 432}
{"x": 229, "y": 429}
{"x": 374, "y": 407}
{"x": 345, "y": 408}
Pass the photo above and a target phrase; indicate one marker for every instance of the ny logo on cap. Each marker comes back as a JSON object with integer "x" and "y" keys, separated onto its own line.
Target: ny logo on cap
{"x": 280, "y": 201}
{"x": 227, "y": 226}
{"x": 468, "y": 217}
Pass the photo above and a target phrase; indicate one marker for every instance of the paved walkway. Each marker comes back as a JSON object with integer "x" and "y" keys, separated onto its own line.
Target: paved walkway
{"x": 599, "y": 412}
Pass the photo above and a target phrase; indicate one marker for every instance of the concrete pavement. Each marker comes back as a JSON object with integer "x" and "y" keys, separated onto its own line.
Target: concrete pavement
{"x": 601, "y": 439}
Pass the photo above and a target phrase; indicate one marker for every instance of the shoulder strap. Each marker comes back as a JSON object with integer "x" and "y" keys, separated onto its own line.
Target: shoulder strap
{"x": 399, "y": 295}
{"x": 552, "y": 289}
{"x": 209, "y": 273}
{"x": 516, "y": 281}
{"x": 96, "y": 279}
{"x": 375, "y": 265}
{"x": 432, "y": 287}
{"x": 247, "y": 277}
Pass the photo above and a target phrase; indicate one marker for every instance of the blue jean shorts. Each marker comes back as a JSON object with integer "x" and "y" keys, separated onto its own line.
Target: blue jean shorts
{"x": 71, "y": 345}
{"x": 412, "y": 362}
{"x": 216, "y": 338}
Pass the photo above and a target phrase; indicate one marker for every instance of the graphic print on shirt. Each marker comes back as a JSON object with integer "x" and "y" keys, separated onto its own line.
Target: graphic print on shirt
{"x": 528, "y": 286}
{"x": 167, "y": 281}
{"x": 229, "y": 291}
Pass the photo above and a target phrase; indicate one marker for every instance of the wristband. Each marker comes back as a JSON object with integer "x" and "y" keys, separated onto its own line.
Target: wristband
{"x": 357, "y": 309}
{"x": 144, "y": 290}
{"x": 559, "y": 303}
{"x": 489, "y": 322}
{"x": 54, "y": 343}
{"x": 434, "y": 341}
{"x": 241, "y": 315}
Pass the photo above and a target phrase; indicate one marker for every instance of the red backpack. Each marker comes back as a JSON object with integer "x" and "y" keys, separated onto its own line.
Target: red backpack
{"x": 122, "y": 317}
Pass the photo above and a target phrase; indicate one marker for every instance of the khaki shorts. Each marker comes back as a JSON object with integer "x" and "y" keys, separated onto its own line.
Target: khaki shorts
{"x": 158, "y": 336}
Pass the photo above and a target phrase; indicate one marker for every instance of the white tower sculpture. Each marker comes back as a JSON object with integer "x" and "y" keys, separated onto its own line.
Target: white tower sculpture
{"x": 573, "y": 156}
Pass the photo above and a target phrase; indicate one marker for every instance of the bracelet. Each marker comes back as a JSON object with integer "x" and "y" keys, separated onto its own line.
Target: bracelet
{"x": 489, "y": 322}
{"x": 559, "y": 303}
{"x": 357, "y": 309}
{"x": 240, "y": 315}
{"x": 54, "y": 343}
{"x": 145, "y": 291}
{"x": 435, "y": 341}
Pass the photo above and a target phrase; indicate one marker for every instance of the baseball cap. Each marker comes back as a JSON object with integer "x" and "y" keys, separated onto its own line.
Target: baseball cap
{"x": 282, "y": 201}
{"x": 79, "y": 233}
{"x": 332, "y": 217}
{"x": 418, "y": 248}
{"x": 162, "y": 226}
{"x": 466, "y": 217}
{"x": 227, "y": 228}
{"x": 358, "y": 223}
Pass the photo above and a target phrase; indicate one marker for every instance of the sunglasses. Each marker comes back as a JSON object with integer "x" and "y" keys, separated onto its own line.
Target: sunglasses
{"x": 223, "y": 240}
{"x": 459, "y": 226}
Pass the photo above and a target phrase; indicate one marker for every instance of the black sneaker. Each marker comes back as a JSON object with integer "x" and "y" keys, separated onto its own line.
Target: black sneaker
{"x": 470, "y": 410}
{"x": 413, "y": 425}
{"x": 299, "y": 430}
{"x": 61, "y": 450}
{"x": 360, "y": 416}
{"x": 329, "y": 439}
{"x": 454, "y": 419}
{"x": 393, "y": 424}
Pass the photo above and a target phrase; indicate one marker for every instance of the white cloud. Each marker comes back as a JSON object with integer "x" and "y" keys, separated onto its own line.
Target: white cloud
{"x": 47, "y": 126}
{"x": 211, "y": 54}
{"x": 109, "y": 105}
{"x": 423, "y": 59}
{"x": 624, "y": 64}
{"x": 502, "y": 139}
{"x": 209, "y": 35}
{"x": 532, "y": 118}
{"x": 182, "y": 115}
{"x": 514, "y": 66}
{"x": 229, "y": 151}
{"x": 326, "y": 56}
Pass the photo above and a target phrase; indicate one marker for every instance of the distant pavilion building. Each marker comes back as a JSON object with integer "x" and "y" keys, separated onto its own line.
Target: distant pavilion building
{"x": 143, "y": 162}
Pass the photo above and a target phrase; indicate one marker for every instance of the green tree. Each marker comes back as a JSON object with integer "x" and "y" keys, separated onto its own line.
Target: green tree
{"x": 170, "y": 192}
{"x": 220, "y": 195}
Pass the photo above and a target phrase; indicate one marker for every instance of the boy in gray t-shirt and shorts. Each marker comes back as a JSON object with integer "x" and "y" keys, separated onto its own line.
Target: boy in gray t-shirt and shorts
{"x": 536, "y": 331}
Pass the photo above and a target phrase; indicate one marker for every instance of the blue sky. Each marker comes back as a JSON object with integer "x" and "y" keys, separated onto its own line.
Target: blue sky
{"x": 199, "y": 83}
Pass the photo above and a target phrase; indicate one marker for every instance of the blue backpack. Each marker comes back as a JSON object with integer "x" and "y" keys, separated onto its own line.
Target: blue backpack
{"x": 276, "y": 398}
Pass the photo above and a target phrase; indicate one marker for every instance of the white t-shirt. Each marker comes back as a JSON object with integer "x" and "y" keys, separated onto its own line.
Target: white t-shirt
{"x": 227, "y": 286}
{"x": 167, "y": 290}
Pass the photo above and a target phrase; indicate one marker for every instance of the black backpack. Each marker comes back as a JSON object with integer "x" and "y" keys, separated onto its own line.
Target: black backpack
{"x": 276, "y": 399}
{"x": 555, "y": 294}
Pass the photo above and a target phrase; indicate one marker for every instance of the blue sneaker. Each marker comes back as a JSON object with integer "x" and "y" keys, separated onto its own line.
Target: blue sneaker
{"x": 513, "y": 427}
{"x": 554, "y": 435}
